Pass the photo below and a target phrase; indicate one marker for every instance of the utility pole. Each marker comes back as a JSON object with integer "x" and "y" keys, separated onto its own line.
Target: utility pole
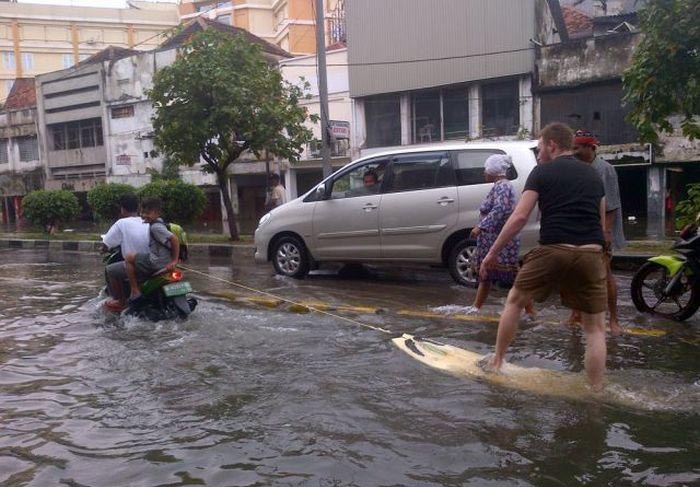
{"x": 323, "y": 88}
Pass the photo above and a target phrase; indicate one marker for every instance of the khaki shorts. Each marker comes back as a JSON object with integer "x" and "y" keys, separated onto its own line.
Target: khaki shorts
{"x": 578, "y": 273}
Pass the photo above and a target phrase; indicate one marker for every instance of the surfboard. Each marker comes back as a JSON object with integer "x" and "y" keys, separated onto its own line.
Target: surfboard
{"x": 464, "y": 363}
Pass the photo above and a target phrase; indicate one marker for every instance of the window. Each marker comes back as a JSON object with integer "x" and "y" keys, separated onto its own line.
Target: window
{"x": 125, "y": 111}
{"x": 28, "y": 149}
{"x": 470, "y": 166}
{"x": 383, "y": 120}
{"x": 426, "y": 116}
{"x": 424, "y": 170}
{"x": 8, "y": 60}
{"x": 68, "y": 61}
{"x": 27, "y": 60}
{"x": 352, "y": 183}
{"x": 500, "y": 107}
{"x": 4, "y": 158}
{"x": 76, "y": 135}
{"x": 455, "y": 107}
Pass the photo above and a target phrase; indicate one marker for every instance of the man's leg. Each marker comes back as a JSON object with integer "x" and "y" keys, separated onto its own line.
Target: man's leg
{"x": 615, "y": 328}
{"x": 130, "y": 261}
{"x": 508, "y": 324}
{"x": 594, "y": 361}
{"x": 116, "y": 273}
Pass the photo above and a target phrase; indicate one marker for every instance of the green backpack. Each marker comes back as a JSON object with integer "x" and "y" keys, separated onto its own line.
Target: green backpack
{"x": 181, "y": 235}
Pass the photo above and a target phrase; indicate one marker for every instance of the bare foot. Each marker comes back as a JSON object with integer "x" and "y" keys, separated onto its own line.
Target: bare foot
{"x": 489, "y": 364}
{"x": 615, "y": 329}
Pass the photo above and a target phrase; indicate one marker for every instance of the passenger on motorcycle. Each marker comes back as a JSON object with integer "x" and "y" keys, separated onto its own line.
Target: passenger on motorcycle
{"x": 163, "y": 249}
{"x": 130, "y": 233}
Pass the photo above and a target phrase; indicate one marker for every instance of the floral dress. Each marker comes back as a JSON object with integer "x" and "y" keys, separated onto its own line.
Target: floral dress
{"x": 495, "y": 210}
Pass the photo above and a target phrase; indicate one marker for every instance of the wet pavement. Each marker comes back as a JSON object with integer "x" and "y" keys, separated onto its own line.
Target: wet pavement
{"x": 255, "y": 390}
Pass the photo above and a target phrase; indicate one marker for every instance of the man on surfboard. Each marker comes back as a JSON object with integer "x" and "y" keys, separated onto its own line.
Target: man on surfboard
{"x": 570, "y": 256}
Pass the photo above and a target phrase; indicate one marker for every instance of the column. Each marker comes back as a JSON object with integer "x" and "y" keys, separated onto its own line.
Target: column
{"x": 656, "y": 192}
{"x": 474, "y": 95}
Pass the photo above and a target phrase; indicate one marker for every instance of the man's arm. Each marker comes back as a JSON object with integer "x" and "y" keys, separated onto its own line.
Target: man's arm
{"x": 516, "y": 221}
{"x": 174, "y": 252}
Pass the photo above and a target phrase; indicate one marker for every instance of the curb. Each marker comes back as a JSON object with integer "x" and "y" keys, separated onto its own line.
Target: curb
{"x": 619, "y": 261}
{"x": 213, "y": 250}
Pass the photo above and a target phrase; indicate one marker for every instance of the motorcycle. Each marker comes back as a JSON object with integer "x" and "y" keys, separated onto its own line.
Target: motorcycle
{"x": 164, "y": 295}
{"x": 669, "y": 285}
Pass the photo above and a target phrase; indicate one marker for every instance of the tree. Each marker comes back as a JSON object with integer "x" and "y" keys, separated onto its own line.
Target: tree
{"x": 104, "y": 200}
{"x": 49, "y": 208}
{"x": 221, "y": 99}
{"x": 182, "y": 202}
{"x": 688, "y": 210}
{"x": 663, "y": 78}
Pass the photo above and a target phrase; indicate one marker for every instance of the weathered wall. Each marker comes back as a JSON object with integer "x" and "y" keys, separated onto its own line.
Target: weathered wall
{"x": 585, "y": 61}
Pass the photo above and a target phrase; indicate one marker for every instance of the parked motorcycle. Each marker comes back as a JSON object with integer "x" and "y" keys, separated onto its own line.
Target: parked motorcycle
{"x": 164, "y": 295}
{"x": 669, "y": 285}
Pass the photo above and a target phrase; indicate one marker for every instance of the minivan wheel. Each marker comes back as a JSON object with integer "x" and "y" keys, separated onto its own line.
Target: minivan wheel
{"x": 289, "y": 257}
{"x": 462, "y": 263}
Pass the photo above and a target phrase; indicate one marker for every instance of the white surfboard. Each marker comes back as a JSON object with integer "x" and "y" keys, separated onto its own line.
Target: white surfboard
{"x": 461, "y": 362}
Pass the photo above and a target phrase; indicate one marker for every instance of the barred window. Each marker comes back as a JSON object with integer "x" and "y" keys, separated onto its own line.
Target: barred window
{"x": 125, "y": 111}
{"x": 28, "y": 149}
{"x": 76, "y": 135}
{"x": 4, "y": 159}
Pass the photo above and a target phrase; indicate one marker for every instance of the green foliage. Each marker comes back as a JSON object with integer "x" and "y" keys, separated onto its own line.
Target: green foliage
{"x": 49, "y": 208}
{"x": 182, "y": 202}
{"x": 687, "y": 211}
{"x": 222, "y": 98}
{"x": 663, "y": 79}
{"x": 104, "y": 200}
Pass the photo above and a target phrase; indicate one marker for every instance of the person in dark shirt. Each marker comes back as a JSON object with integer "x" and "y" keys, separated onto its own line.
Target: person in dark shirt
{"x": 570, "y": 256}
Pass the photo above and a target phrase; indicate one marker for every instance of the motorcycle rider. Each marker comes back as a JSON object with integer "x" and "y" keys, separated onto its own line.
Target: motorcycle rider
{"x": 162, "y": 253}
{"x": 132, "y": 234}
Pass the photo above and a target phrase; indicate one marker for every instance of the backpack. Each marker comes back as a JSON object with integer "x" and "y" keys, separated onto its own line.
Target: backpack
{"x": 181, "y": 235}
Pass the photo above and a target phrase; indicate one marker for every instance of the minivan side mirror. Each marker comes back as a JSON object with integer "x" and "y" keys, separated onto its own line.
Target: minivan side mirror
{"x": 322, "y": 191}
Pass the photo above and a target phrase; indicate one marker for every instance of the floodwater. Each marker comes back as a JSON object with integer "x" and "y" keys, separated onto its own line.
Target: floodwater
{"x": 247, "y": 396}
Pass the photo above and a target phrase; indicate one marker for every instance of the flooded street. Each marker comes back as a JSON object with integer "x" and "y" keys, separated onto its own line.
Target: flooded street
{"x": 246, "y": 395}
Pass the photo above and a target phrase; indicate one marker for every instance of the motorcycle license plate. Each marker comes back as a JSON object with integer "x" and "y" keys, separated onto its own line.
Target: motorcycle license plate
{"x": 177, "y": 288}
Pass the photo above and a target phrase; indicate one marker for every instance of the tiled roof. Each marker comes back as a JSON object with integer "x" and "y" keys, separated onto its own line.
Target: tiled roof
{"x": 110, "y": 53}
{"x": 577, "y": 23}
{"x": 200, "y": 23}
{"x": 22, "y": 95}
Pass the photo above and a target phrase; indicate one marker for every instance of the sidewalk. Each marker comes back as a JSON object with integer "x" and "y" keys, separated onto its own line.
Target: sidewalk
{"x": 629, "y": 259}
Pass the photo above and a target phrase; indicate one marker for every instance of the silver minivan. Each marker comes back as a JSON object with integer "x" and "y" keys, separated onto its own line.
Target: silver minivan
{"x": 421, "y": 208}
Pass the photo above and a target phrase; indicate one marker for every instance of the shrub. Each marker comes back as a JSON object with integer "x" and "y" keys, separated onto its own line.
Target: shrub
{"x": 688, "y": 210}
{"x": 49, "y": 208}
{"x": 104, "y": 200}
{"x": 182, "y": 202}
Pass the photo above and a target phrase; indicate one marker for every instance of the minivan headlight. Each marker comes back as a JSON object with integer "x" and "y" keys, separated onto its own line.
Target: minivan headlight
{"x": 265, "y": 218}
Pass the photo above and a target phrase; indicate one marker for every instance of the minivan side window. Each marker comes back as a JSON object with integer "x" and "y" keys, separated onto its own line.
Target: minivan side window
{"x": 362, "y": 180}
{"x": 422, "y": 170}
{"x": 469, "y": 165}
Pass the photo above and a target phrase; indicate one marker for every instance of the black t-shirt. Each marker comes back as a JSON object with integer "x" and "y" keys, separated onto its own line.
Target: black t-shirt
{"x": 569, "y": 200}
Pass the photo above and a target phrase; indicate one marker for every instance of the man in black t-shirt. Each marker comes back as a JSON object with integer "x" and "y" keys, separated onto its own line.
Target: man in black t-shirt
{"x": 570, "y": 256}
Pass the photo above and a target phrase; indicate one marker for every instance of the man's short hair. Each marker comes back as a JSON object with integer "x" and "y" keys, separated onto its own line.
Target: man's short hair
{"x": 274, "y": 176}
{"x": 152, "y": 204}
{"x": 372, "y": 173}
{"x": 129, "y": 202}
{"x": 560, "y": 133}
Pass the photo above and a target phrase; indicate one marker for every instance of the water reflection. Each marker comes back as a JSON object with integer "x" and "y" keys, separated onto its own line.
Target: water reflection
{"x": 244, "y": 396}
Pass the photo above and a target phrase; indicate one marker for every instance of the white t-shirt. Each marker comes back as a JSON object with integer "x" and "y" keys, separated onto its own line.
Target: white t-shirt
{"x": 131, "y": 233}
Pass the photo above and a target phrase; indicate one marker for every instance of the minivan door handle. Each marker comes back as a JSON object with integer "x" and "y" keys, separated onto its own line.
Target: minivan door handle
{"x": 370, "y": 206}
{"x": 443, "y": 201}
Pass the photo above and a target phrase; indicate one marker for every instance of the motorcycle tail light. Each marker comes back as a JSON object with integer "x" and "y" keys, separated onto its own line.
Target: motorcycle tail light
{"x": 175, "y": 275}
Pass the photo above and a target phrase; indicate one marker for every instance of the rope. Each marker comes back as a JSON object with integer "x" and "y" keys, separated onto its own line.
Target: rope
{"x": 289, "y": 301}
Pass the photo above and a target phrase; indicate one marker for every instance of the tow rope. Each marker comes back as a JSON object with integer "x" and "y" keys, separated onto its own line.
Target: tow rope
{"x": 289, "y": 301}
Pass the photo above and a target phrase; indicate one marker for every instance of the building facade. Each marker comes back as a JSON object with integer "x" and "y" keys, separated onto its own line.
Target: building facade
{"x": 420, "y": 74}
{"x": 36, "y": 39}
{"x": 290, "y": 24}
